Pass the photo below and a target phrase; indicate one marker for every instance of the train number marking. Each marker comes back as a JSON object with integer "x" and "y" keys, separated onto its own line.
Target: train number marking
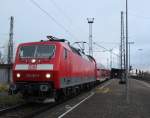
{"x": 32, "y": 67}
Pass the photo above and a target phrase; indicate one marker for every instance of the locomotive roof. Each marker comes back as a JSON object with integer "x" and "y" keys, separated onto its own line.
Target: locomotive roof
{"x": 41, "y": 42}
{"x": 50, "y": 40}
{"x": 64, "y": 42}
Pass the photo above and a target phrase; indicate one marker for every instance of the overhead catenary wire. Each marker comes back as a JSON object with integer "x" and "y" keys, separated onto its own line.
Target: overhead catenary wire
{"x": 53, "y": 19}
{"x": 109, "y": 42}
{"x": 109, "y": 50}
{"x": 67, "y": 17}
{"x": 61, "y": 10}
{"x": 139, "y": 16}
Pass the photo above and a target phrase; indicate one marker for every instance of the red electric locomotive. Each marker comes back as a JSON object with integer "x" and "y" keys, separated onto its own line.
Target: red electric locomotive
{"x": 51, "y": 69}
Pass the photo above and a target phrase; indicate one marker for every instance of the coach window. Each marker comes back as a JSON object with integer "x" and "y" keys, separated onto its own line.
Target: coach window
{"x": 65, "y": 53}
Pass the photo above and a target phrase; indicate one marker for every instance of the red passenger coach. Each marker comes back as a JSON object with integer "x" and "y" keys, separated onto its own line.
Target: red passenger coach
{"x": 102, "y": 73}
{"x": 51, "y": 69}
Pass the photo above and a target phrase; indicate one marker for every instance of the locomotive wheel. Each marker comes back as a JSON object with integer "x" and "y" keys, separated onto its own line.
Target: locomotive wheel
{"x": 59, "y": 96}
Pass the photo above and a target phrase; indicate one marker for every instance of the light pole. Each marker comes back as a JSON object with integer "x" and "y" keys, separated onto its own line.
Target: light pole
{"x": 126, "y": 69}
{"x": 10, "y": 43}
{"x": 90, "y": 21}
{"x": 129, "y": 43}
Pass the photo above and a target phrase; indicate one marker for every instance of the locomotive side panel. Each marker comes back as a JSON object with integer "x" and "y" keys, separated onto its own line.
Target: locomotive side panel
{"x": 80, "y": 71}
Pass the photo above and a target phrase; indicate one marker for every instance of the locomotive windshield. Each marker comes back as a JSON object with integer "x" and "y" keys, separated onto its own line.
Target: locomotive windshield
{"x": 37, "y": 51}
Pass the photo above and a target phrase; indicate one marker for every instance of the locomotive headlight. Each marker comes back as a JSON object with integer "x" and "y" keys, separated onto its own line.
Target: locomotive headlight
{"x": 18, "y": 75}
{"x": 33, "y": 60}
{"x": 48, "y": 75}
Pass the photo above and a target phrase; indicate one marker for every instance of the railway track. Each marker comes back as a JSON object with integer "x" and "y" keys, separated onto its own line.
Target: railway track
{"x": 29, "y": 110}
{"x": 24, "y": 110}
{"x": 5, "y": 110}
{"x": 39, "y": 110}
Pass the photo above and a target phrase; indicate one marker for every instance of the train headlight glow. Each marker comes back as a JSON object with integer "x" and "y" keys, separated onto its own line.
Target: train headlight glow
{"x": 18, "y": 75}
{"x": 48, "y": 75}
{"x": 33, "y": 60}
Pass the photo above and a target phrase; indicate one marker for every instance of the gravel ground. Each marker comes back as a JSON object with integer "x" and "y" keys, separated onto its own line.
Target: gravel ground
{"x": 9, "y": 100}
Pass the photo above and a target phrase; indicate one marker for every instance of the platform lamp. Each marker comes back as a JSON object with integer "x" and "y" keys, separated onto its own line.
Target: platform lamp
{"x": 90, "y": 21}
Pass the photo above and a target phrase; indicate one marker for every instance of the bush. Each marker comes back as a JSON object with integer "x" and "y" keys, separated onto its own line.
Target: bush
{"x": 9, "y": 100}
{"x": 4, "y": 87}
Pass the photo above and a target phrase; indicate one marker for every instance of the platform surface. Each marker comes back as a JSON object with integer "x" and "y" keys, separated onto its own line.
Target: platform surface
{"x": 112, "y": 101}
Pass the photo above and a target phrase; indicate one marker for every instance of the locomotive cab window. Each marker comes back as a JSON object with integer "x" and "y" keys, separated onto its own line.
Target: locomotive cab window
{"x": 27, "y": 51}
{"x": 65, "y": 53}
{"x": 37, "y": 51}
{"x": 45, "y": 51}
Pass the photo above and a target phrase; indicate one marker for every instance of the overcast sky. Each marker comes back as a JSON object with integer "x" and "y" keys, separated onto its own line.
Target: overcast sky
{"x": 68, "y": 19}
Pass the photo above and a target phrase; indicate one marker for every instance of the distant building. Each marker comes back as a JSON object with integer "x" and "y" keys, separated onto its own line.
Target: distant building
{"x": 4, "y": 70}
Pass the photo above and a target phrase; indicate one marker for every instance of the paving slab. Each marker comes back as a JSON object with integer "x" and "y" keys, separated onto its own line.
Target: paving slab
{"x": 112, "y": 101}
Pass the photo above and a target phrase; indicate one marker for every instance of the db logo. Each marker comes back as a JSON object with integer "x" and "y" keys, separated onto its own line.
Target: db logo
{"x": 32, "y": 67}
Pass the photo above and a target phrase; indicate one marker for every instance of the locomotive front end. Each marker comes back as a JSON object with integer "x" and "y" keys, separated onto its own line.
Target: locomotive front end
{"x": 34, "y": 72}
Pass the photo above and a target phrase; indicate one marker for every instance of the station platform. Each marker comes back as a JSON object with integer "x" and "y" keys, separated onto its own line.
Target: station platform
{"x": 112, "y": 101}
